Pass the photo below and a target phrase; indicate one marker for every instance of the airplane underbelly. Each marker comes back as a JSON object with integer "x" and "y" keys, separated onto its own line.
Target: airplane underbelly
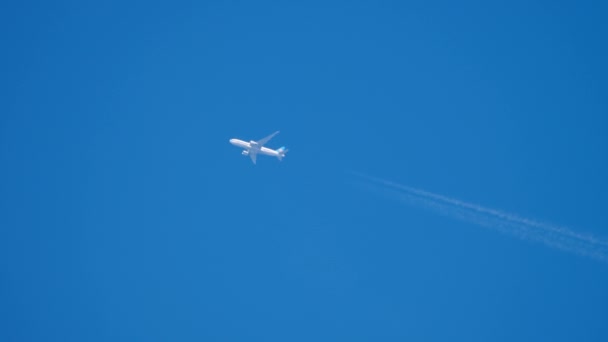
{"x": 240, "y": 143}
{"x": 268, "y": 151}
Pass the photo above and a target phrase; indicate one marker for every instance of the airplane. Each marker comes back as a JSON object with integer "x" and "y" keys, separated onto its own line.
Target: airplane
{"x": 252, "y": 148}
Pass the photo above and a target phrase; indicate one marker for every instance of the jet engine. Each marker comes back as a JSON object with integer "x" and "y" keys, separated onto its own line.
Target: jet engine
{"x": 245, "y": 152}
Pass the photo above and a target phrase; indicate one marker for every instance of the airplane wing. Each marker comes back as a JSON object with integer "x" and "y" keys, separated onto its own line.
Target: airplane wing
{"x": 253, "y": 155}
{"x": 263, "y": 141}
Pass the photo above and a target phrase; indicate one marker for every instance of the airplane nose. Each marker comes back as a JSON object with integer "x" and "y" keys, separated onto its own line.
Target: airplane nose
{"x": 232, "y": 141}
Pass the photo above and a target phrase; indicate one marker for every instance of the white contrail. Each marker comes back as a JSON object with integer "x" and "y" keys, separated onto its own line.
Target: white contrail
{"x": 524, "y": 228}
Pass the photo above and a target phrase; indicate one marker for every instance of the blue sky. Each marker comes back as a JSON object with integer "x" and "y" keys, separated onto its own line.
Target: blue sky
{"x": 125, "y": 214}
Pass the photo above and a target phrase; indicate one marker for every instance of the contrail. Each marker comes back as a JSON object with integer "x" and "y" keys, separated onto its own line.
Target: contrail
{"x": 554, "y": 236}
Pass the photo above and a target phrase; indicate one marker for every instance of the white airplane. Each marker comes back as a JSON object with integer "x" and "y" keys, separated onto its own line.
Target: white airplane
{"x": 252, "y": 148}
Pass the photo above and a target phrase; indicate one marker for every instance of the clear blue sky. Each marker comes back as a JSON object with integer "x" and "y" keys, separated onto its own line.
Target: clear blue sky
{"x": 125, "y": 214}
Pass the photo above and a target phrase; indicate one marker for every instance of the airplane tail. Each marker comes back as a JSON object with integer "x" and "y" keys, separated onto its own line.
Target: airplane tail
{"x": 282, "y": 151}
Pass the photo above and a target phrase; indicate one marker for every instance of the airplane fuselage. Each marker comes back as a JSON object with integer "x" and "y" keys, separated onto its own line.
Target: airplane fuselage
{"x": 249, "y": 146}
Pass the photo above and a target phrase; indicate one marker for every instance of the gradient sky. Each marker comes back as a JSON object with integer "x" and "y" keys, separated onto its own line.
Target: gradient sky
{"x": 125, "y": 214}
